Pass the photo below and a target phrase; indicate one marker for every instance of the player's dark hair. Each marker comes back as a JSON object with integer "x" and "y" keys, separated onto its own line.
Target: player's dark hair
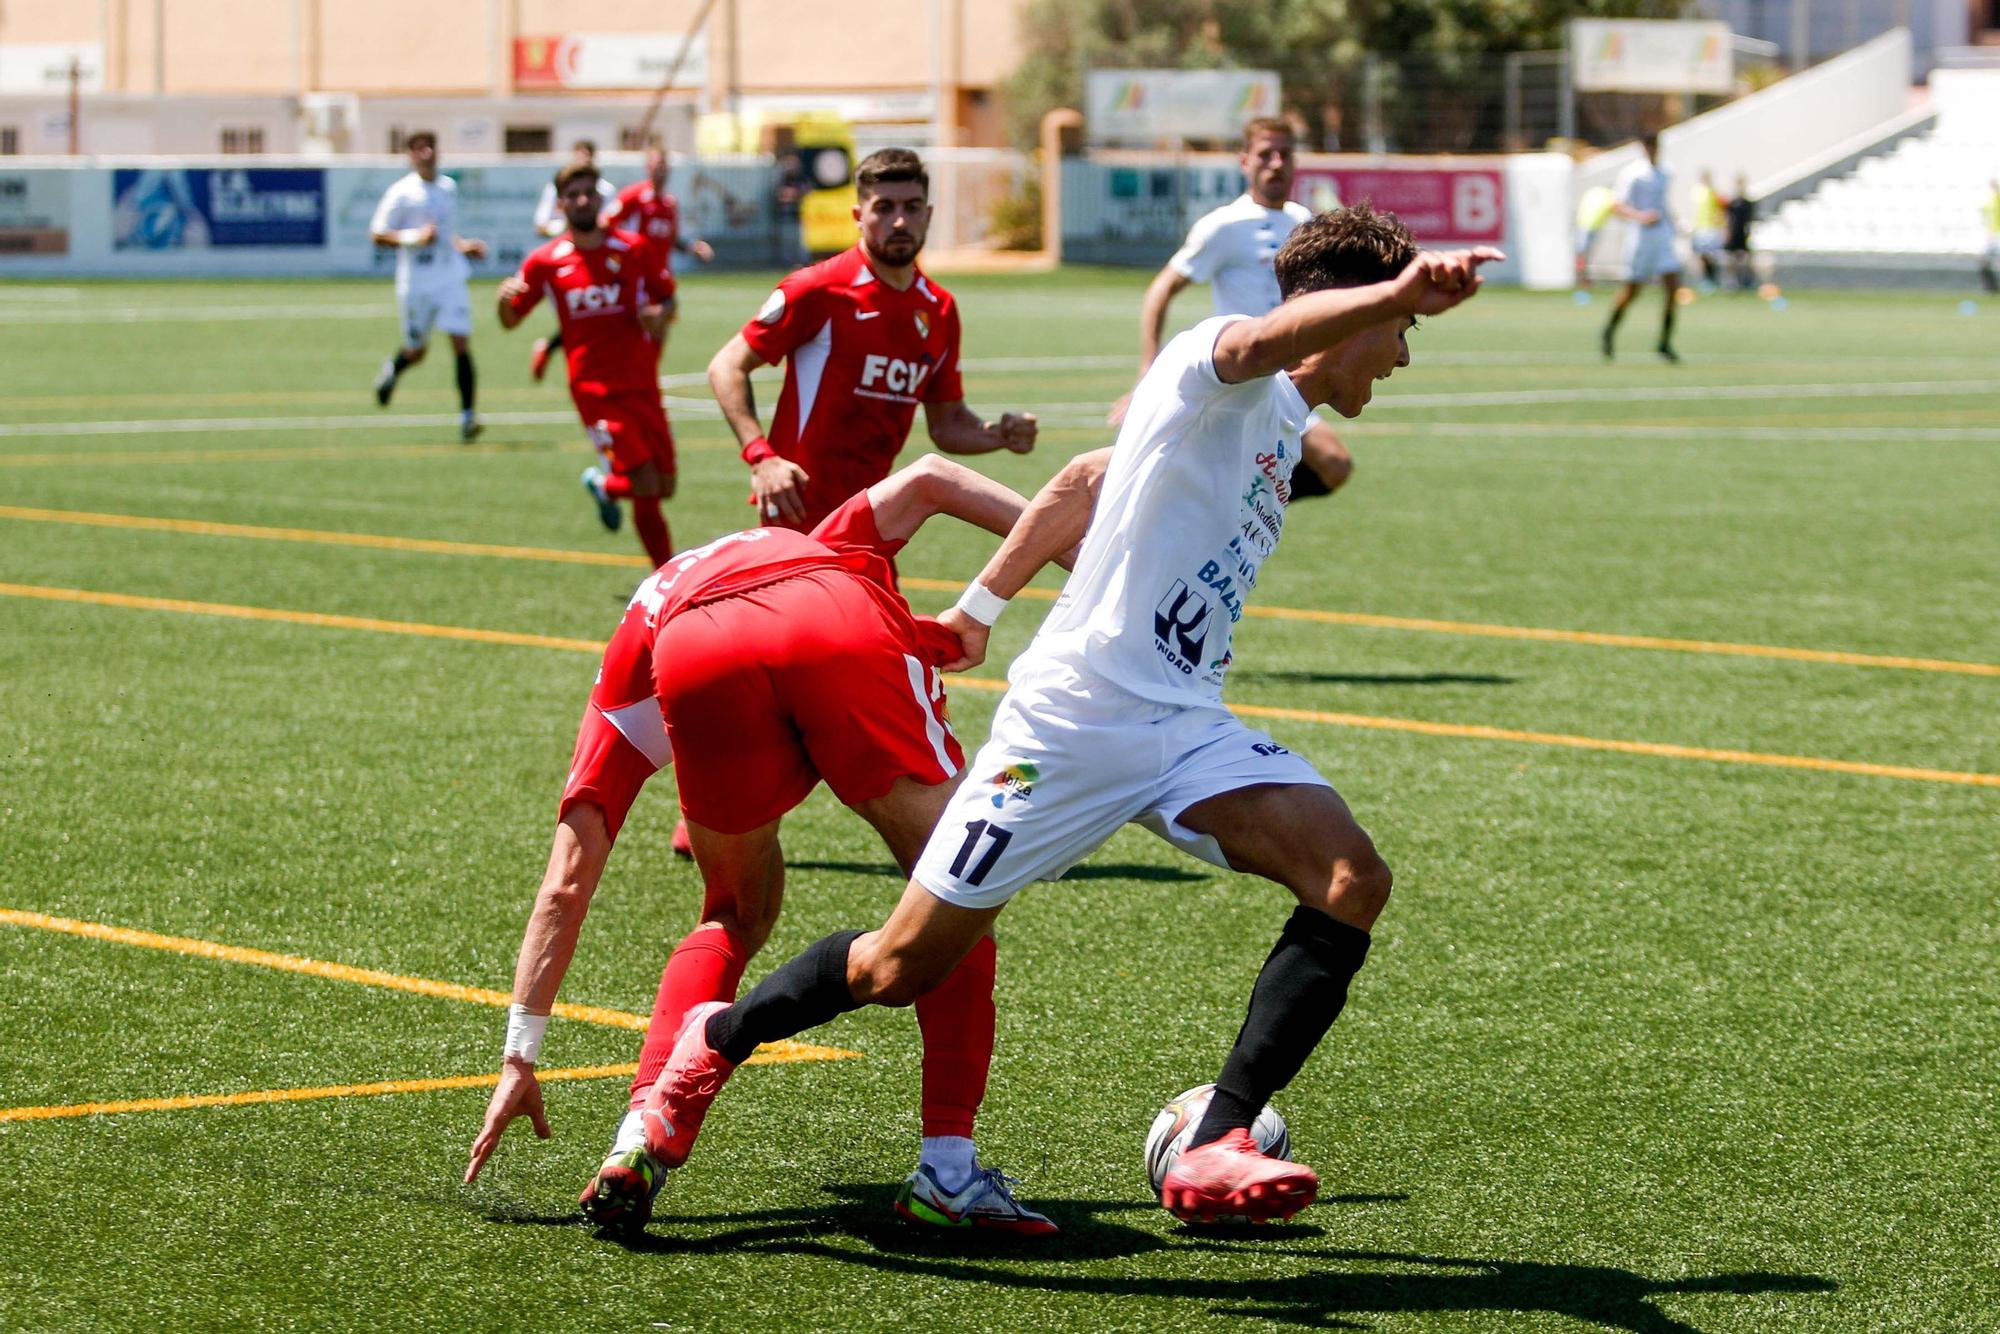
{"x": 890, "y": 166}
{"x": 573, "y": 172}
{"x": 584, "y": 146}
{"x": 1343, "y": 247}
{"x": 421, "y": 139}
{"x": 1268, "y": 125}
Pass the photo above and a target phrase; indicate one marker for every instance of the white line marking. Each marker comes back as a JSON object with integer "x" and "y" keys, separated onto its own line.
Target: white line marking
{"x": 194, "y": 314}
{"x": 1664, "y": 394}
{"x": 358, "y": 421}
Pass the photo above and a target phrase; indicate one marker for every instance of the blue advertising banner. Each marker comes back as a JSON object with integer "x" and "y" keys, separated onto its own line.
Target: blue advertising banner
{"x": 195, "y": 209}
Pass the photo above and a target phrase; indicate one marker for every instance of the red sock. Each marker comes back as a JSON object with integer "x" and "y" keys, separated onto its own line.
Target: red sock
{"x": 651, "y": 525}
{"x": 705, "y": 966}
{"x": 957, "y": 1023}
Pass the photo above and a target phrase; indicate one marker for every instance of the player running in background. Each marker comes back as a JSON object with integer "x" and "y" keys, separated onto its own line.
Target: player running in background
{"x": 1231, "y": 250}
{"x": 758, "y": 665}
{"x": 1707, "y": 233}
{"x": 1991, "y": 212}
{"x": 646, "y": 207}
{"x": 1593, "y": 210}
{"x": 1649, "y": 244}
{"x": 865, "y": 337}
{"x": 418, "y": 219}
{"x": 551, "y": 221}
{"x": 1742, "y": 214}
{"x": 1115, "y": 715}
{"x": 612, "y": 295}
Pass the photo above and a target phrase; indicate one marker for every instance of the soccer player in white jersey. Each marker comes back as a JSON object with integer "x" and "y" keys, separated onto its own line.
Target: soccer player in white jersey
{"x": 1114, "y": 714}
{"x": 551, "y": 222}
{"x": 1649, "y": 244}
{"x": 418, "y": 219}
{"x": 1231, "y": 250}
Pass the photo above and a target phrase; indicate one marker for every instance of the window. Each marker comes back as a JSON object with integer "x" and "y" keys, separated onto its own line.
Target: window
{"x": 243, "y": 139}
{"x": 529, "y": 139}
{"x": 10, "y": 140}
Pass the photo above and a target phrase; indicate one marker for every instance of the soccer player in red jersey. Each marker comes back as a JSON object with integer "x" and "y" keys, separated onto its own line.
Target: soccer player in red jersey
{"x": 612, "y": 294}
{"x": 865, "y": 336}
{"x": 648, "y": 209}
{"x": 759, "y": 664}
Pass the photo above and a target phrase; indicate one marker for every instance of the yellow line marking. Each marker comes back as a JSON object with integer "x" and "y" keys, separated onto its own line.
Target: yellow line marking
{"x": 325, "y": 620}
{"x": 207, "y": 528}
{"x": 367, "y": 977}
{"x": 1461, "y": 730}
{"x": 562, "y": 555}
{"x": 1665, "y": 750}
{"x": 298, "y": 1095}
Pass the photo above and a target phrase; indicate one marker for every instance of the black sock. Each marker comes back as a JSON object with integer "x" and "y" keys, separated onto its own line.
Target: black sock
{"x": 465, "y": 380}
{"x": 1667, "y": 325}
{"x": 402, "y": 361}
{"x": 1297, "y": 997}
{"x": 802, "y": 993}
{"x": 1307, "y": 483}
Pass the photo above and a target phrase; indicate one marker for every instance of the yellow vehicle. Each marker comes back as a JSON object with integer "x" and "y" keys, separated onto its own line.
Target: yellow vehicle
{"x": 815, "y": 153}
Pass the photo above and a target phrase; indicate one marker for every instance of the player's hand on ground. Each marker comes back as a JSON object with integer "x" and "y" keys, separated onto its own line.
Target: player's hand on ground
{"x": 513, "y": 288}
{"x": 1018, "y": 430}
{"x": 774, "y": 490}
{"x": 1437, "y": 280}
{"x": 1116, "y": 417}
{"x": 518, "y": 1094}
{"x": 971, "y": 638}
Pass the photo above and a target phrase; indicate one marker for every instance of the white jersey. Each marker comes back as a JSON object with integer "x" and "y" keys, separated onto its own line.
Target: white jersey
{"x": 1231, "y": 249}
{"x": 549, "y": 219}
{"x": 1191, "y": 507}
{"x": 1643, "y": 186}
{"x": 414, "y": 202}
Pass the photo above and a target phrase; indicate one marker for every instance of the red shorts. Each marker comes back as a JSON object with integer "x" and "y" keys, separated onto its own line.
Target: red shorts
{"x": 769, "y": 691}
{"x": 628, "y": 426}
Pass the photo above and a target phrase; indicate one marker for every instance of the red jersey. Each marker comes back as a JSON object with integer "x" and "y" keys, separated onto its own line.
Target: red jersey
{"x": 859, "y": 356}
{"x": 653, "y": 214}
{"x": 597, "y": 294}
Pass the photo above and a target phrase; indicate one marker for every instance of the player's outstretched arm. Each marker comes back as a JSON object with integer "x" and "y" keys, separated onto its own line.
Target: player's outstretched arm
{"x": 1167, "y": 284}
{"x": 1049, "y": 530}
{"x": 957, "y": 429}
{"x": 576, "y": 864}
{"x": 774, "y": 480}
{"x": 932, "y": 485}
{"x": 1430, "y": 284}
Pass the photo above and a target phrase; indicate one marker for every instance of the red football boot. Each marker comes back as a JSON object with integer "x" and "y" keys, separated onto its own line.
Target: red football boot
{"x": 681, "y": 845}
{"x": 694, "y": 1073}
{"x": 1231, "y": 1180}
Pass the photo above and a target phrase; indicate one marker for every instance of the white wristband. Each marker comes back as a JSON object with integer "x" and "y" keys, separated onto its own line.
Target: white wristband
{"x": 524, "y": 1034}
{"x": 981, "y": 603}
{"x": 410, "y": 236}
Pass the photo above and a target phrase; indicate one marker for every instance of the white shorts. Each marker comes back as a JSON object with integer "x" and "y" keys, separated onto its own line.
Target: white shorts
{"x": 1707, "y": 241}
{"x": 424, "y": 306}
{"x": 1070, "y": 760}
{"x": 1650, "y": 253}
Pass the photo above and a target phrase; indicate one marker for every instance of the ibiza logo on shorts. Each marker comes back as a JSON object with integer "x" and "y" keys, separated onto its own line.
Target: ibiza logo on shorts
{"x": 1180, "y": 627}
{"x": 1016, "y": 782}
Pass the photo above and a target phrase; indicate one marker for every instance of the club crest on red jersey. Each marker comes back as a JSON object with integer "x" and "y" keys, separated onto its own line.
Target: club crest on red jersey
{"x": 923, "y": 325}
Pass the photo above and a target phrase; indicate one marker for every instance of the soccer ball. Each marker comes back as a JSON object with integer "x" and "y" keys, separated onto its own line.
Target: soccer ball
{"x": 1178, "y": 1120}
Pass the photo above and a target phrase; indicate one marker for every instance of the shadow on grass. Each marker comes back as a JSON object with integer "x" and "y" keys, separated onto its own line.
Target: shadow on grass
{"x": 1340, "y": 1288}
{"x": 1108, "y": 871}
{"x": 1374, "y": 678}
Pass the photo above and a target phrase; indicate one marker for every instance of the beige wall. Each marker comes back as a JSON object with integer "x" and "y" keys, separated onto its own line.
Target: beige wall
{"x": 463, "y": 46}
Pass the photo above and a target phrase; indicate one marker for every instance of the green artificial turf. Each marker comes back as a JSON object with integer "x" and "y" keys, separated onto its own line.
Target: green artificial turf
{"x": 1647, "y": 1042}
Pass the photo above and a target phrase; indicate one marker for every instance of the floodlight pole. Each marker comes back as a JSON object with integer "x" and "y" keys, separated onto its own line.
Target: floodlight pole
{"x": 1801, "y": 34}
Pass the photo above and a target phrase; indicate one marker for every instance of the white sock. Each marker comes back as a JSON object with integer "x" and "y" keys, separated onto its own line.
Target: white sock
{"x": 631, "y": 1134}
{"x": 952, "y": 1159}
